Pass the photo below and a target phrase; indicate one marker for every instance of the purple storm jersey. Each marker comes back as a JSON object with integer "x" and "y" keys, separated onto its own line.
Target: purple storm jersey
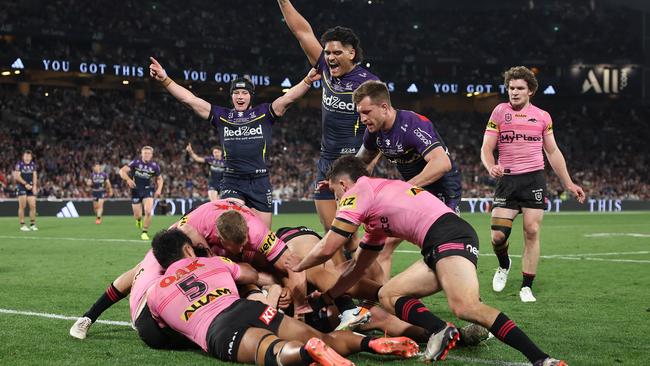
{"x": 411, "y": 137}
{"x": 217, "y": 167}
{"x": 342, "y": 129}
{"x": 245, "y": 137}
{"x": 98, "y": 180}
{"x": 26, "y": 170}
{"x": 143, "y": 173}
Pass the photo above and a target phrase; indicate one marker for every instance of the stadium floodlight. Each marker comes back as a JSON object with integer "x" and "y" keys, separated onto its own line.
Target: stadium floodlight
{"x": 6, "y": 73}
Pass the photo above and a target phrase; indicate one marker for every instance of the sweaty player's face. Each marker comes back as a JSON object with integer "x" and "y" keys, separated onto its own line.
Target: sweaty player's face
{"x": 518, "y": 93}
{"x": 146, "y": 155}
{"x": 27, "y": 158}
{"x": 372, "y": 115}
{"x": 339, "y": 58}
{"x": 241, "y": 99}
{"x": 217, "y": 154}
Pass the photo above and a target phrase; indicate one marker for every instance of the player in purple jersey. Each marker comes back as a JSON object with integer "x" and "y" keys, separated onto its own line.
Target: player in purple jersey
{"x": 409, "y": 141}
{"x": 139, "y": 175}
{"x": 337, "y": 56}
{"x": 101, "y": 188}
{"x": 521, "y": 132}
{"x": 26, "y": 180}
{"x": 217, "y": 167}
{"x": 245, "y": 133}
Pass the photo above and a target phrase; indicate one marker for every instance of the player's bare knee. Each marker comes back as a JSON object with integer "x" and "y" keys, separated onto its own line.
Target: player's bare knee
{"x": 531, "y": 230}
{"x": 463, "y": 309}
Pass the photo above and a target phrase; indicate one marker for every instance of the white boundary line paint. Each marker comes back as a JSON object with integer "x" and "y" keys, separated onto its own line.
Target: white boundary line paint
{"x": 71, "y": 239}
{"x": 574, "y": 257}
{"x": 57, "y": 316}
{"x": 127, "y": 324}
{"x": 607, "y": 235}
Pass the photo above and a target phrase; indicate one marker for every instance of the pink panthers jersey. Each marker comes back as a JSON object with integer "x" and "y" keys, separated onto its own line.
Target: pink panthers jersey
{"x": 389, "y": 207}
{"x": 520, "y": 136}
{"x": 146, "y": 275}
{"x": 192, "y": 292}
{"x": 260, "y": 238}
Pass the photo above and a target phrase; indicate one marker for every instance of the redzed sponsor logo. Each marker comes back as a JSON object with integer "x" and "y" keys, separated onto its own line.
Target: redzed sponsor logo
{"x": 268, "y": 315}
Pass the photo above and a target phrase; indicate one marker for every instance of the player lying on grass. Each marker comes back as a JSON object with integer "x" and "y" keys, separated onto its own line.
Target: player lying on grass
{"x": 198, "y": 297}
{"x": 450, "y": 247}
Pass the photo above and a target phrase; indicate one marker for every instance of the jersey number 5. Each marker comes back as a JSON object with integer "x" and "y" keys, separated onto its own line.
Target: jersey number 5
{"x": 192, "y": 288}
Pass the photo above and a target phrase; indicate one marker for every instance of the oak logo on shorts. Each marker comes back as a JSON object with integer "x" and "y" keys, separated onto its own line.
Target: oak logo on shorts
{"x": 348, "y": 202}
{"x": 269, "y": 243}
{"x": 204, "y": 300}
{"x": 413, "y": 191}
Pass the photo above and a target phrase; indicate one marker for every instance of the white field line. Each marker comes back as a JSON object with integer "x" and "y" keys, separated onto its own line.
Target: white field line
{"x": 607, "y": 235}
{"x": 57, "y": 316}
{"x": 71, "y": 239}
{"x": 575, "y": 257}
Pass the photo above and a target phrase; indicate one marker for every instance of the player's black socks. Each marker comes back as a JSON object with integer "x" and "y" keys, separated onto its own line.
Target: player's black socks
{"x": 509, "y": 333}
{"x": 305, "y": 357}
{"x": 527, "y": 279}
{"x": 32, "y": 222}
{"x": 344, "y": 303}
{"x": 108, "y": 298}
{"x": 504, "y": 259}
{"x": 413, "y": 311}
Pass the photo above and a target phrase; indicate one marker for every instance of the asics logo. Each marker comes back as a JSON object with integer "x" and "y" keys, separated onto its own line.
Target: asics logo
{"x": 335, "y": 102}
{"x": 242, "y": 131}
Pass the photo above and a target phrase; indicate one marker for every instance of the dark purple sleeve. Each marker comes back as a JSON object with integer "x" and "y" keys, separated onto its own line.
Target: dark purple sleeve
{"x": 132, "y": 164}
{"x": 209, "y": 159}
{"x": 17, "y": 167}
{"x": 370, "y": 140}
{"x": 267, "y": 108}
{"x": 156, "y": 168}
{"x": 321, "y": 64}
{"x": 215, "y": 113}
{"x": 422, "y": 136}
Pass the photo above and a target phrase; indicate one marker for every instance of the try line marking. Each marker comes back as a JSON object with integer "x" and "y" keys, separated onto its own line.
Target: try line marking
{"x": 128, "y": 324}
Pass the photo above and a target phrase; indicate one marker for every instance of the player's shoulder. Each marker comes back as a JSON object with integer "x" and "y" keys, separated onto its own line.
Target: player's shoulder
{"x": 502, "y": 108}
{"x": 362, "y": 74}
{"x": 539, "y": 111}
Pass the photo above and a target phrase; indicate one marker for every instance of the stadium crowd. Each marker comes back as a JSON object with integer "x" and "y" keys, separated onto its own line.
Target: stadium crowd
{"x": 68, "y": 132}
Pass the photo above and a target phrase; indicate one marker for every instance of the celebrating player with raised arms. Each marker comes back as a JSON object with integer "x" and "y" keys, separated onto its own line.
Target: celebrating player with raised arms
{"x": 139, "y": 175}
{"x": 519, "y": 131}
{"x": 217, "y": 167}
{"x": 245, "y": 133}
{"x": 101, "y": 188}
{"x": 337, "y": 56}
{"x": 409, "y": 141}
{"x": 26, "y": 180}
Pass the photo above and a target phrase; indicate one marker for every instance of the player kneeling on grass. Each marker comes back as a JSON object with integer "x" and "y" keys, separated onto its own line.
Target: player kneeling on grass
{"x": 391, "y": 208}
{"x": 198, "y": 297}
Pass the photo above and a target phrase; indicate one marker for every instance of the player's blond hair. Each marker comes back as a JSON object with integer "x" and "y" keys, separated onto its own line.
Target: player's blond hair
{"x": 232, "y": 227}
{"x": 522, "y": 73}
{"x": 147, "y": 147}
{"x": 375, "y": 90}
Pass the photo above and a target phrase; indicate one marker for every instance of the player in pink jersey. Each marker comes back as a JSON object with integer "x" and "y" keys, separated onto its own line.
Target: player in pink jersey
{"x": 198, "y": 297}
{"x": 519, "y": 131}
{"x": 450, "y": 247}
{"x": 233, "y": 230}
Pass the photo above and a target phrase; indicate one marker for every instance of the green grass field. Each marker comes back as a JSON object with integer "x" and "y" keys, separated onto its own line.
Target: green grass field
{"x": 592, "y": 288}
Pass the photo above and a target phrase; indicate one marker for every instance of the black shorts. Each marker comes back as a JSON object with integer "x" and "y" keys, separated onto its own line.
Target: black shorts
{"x": 22, "y": 191}
{"x": 227, "y": 329}
{"x": 139, "y": 194}
{"x": 99, "y": 195}
{"x": 521, "y": 190}
{"x": 159, "y": 338}
{"x": 450, "y": 235}
{"x": 214, "y": 185}
{"x": 288, "y": 233}
{"x": 324, "y": 165}
{"x": 254, "y": 191}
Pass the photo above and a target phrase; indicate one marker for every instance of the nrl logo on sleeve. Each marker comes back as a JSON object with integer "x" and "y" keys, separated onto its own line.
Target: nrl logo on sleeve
{"x": 348, "y": 202}
{"x": 413, "y": 191}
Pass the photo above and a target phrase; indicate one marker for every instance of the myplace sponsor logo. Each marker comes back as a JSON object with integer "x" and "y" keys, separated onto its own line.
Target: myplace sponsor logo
{"x": 242, "y": 131}
{"x": 68, "y": 211}
{"x": 335, "y": 102}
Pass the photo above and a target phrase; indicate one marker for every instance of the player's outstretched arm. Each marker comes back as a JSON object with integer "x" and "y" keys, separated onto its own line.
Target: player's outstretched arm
{"x": 247, "y": 275}
{"x": 193, "y": 155}
{"x": 487, "y": 156}
{"x": 320, "y": 253}
{"x": 556, "y": 159}
{"x": 198, "y": 105}
{"x": 281, "y": 104}
{"x": 301, "y": 29}
{"x": 356, "y": 270}
{"x": 438, "y": 164}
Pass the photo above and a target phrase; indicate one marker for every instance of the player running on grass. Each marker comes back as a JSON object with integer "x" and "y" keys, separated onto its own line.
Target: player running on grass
{"x": 337, "y": 56}
{"x": 198, "y": 298}
{"x": 245, "y": 134}
{"x": 101, "y": 188}
{"x": 519, "y": 131}
{"x": 450, "y": 247}
{"x": 139, "y": 175}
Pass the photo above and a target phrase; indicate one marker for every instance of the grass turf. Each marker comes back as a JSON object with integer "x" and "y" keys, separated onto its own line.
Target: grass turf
{"x": 592, "y": 309}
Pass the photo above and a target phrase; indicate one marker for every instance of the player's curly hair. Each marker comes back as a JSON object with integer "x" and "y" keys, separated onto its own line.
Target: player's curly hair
{"x": 348, "y": 164}
{"x": 523, "y": 73}
{"x": 347, "y": 37}
{"x": 168, "y": 245}
{"x": 232, "y": 227}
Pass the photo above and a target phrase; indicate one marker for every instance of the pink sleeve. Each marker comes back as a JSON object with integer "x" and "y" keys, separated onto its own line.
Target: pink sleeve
{"x": 373, "y": 241}
{"x": 269, "y": 245}
{"x": 548, "y": 128}
{"x": 492, "y": 127}
{"x": 354, "y": 204}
